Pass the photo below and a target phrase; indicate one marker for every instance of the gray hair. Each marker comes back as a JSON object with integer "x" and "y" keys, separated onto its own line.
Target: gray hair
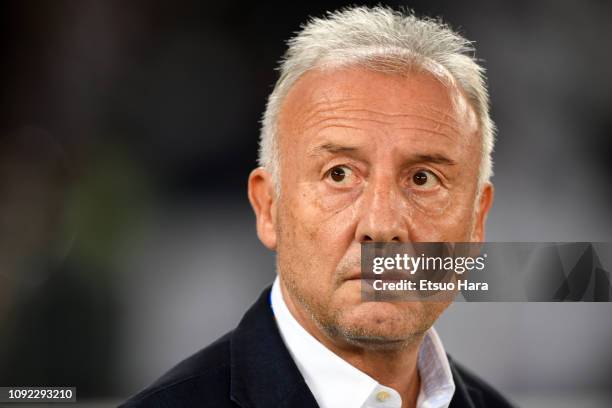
{"x": 379, "y": 39}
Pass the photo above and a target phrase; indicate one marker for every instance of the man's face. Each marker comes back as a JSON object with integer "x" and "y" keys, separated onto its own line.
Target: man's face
{"x": 368, "y": 156}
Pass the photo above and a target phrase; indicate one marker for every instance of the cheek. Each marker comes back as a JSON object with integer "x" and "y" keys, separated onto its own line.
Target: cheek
{"x": 328, "y": 218}
{"x": 314, "y": 232}
{"x": 431, "y": 206}
{"x": 444, "y": 217}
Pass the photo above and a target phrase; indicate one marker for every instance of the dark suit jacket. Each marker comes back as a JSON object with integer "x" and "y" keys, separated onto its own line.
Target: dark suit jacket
{"x": 250, "y": 367}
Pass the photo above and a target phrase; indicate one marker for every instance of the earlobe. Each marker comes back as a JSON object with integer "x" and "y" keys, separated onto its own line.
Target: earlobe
{"x": 263, "y": 201}
{"x": 484, "y": 205}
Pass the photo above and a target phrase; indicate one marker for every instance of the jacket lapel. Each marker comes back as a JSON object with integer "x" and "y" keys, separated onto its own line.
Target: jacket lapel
{"x": 263, "y": 373}
{"x": 465, "y": 396}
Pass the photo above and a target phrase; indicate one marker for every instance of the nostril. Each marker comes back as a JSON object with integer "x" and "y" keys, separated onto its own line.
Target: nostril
{"x": 367, "y": 238}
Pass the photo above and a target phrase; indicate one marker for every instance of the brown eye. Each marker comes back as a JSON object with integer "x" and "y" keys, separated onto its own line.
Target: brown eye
{"x": 340, "y": 174}
{"x": 420, "y": 178}
{"x": 425, "y": 178}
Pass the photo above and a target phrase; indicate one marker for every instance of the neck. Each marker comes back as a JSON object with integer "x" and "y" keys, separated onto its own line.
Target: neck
{"x": 394, "y": 367}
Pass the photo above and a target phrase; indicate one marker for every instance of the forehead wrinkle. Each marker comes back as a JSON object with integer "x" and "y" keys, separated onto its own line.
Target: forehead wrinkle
{"x": 413, "y": 115}
{"x": 434, "y": 132}
{"x": 439, "y": 111}
{"x": 415, "y": 109}
{"x": 324, "y": 123}
{"x": 326, "y": 105}
{"x": 337, "y": 125}
{"x": 320, "y": 124}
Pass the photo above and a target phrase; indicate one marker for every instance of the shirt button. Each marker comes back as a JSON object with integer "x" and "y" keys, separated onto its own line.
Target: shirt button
{"x": 382, "y": 396}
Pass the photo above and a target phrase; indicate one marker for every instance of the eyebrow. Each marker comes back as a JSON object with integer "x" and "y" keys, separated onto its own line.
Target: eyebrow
{"x": 434, "y": 158}
{"x": 333, "y": 148}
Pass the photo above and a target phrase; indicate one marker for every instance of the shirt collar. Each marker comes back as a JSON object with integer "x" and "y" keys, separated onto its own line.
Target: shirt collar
{"x": 335, "y": 383}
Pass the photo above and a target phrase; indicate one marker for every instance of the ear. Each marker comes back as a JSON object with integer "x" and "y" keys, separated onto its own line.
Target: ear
{"x": 263, "y": 201}
{"x": 484, "y": 205}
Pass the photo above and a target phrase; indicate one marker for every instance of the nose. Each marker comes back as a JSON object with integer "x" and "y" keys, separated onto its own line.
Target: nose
{"x": 381, "y": 216}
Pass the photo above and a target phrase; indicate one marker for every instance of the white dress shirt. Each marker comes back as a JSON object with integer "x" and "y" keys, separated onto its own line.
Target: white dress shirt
{"x": 337, "y": 384}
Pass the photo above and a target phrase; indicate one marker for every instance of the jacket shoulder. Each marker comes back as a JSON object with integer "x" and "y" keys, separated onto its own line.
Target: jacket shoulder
{"x": 200, "y": 380}
{"x": 481, "y": 392}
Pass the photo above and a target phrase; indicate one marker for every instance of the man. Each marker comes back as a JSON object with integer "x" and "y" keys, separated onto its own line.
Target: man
{"x": 377, "y": 131}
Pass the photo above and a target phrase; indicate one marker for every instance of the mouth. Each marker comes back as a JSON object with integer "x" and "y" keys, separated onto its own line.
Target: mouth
{"x": 390, "y": 276}
{"x": 370, "y": 279}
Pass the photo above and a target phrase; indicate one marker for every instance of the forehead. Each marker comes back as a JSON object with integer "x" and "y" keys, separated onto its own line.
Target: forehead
{"x": 378, "y": 99}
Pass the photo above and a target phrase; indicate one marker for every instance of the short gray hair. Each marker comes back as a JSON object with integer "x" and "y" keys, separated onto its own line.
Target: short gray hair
{"x": 380, "y": 39}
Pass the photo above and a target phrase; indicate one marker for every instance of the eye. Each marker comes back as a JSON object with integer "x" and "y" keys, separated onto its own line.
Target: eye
{"x": 425, "y": 179}
{"x": 340, "y": 174}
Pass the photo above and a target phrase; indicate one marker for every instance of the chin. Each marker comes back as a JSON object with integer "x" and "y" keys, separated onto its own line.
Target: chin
{"x": 383, "y": 323}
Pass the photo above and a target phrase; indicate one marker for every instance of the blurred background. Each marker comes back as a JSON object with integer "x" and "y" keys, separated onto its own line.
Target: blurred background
{"x": 127, "y": 132}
